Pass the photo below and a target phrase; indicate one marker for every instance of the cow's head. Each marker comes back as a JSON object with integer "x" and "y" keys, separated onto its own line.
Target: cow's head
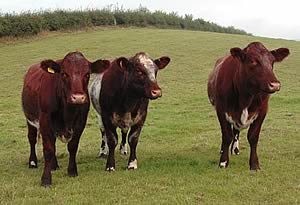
{"x": 74, "y": 74}
{"x": 257, "y": 66}
{"x": 141, "y": 74}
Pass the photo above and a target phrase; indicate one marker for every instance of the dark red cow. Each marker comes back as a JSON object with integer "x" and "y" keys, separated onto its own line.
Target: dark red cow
{"x": 121, "y": 97}
{"x": 56, "y": 102}
{"x": 239, "y": 88}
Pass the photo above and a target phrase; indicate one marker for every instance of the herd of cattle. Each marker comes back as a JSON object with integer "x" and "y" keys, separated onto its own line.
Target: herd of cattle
{"x": 56, "y": 101}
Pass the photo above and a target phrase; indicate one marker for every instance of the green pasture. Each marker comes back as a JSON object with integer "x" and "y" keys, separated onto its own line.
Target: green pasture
{"x": 178, "y": 152}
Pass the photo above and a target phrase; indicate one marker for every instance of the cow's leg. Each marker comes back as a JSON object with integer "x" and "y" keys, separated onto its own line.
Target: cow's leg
{"x": 112, "y": 141}
{"x": 103, "y": 152}
{"x": 253, "y": 136}
{"x": 227, "y": 136}
{"x": 54, "y": 165}
{"x": 48, "y": 149}
{"x": 133, "y": 139}
{"x": 72, "y": 148}
{"x": 123, "y": 145}
{"x": 32, "y": 137}
{"x": 235, "y": 145}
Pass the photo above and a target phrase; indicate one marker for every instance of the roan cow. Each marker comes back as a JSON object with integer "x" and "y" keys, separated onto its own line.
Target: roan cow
{"x": 121, "y": 97}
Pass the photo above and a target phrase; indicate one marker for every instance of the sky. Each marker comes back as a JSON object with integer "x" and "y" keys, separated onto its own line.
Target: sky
{"x": 268, "y": 18}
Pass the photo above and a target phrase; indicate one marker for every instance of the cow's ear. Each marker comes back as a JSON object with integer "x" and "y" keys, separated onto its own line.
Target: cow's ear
{"x": 238, "y": 53}
{"x": 280, "y": 54}
{"x": 50, "y": 66}
{"x": 122, "y": 63}
{"x": 162, "y": 62}
{"x": 100, "y": 66}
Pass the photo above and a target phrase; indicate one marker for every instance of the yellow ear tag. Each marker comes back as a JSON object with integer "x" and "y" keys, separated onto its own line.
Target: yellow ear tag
{"x": 50, "y": 70}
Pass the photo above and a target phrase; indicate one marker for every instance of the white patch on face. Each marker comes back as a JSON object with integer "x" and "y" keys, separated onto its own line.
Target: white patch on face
{"x": 149, "y": 66}
{"x": 123, "y": 150}
{"x": 133, "y": 164}
{"x": 223, "y": 164}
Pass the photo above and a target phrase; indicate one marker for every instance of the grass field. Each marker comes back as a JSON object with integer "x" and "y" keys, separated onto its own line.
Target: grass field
{"x": 179, "y": 146}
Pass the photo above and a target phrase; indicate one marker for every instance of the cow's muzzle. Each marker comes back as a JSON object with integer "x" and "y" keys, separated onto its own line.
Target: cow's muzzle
{"x": 78, "y": 98}
{"x": 274, "y": 86}
{"x": 156, "y": 93}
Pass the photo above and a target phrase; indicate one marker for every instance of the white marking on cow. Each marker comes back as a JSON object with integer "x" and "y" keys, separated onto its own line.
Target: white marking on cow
{"x": 110, "y": 169}
{"x": 244, "y": 116}
{"x": 103, "y": 150}
{"x": 245, "y": 120}
{"x": 95, "y": 93}
{"x": 125, "y": 121}
{"x": 235, "y": 145}
{"x": 149, "y": 66}
{"x": 133, "y": 164}
{"x": 64, "y": 139}
{"x": 133, "y": 135}
{"x": 34, "y": 123}
{"x": 223, "y": 164}
{"x": 32, "y": 163}
{"x": 123, "y": 150}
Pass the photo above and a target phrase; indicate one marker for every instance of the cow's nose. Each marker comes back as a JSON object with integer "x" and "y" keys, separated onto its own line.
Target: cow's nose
{"x": 274, "y": 86}
{"x": 78, "y": 98}
{"x": 156, "y": 93}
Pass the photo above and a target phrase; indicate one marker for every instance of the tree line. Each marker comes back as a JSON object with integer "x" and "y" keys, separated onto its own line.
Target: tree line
{"x": 31, "y": 23}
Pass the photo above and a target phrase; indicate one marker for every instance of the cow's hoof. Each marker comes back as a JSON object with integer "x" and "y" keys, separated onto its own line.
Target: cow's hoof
{"x": 132, "y": 165}
{"x": 110, "y": 169}
{"x": 72, "y": 173}
{"x": 254, "y": 168}
{"x": 123, "y": 149}
{"x": 46, "y": 182}
{"x": 32, "y": 164}
{"x": 223, "y": 164}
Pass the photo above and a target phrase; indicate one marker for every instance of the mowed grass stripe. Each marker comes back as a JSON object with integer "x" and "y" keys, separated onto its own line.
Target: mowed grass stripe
{"x": 179, "y": 146}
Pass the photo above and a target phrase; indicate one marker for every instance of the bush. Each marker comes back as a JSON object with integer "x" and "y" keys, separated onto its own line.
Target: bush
{"x": 28, "y": 23}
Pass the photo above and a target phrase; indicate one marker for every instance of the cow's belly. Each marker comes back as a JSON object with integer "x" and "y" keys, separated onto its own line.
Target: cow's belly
{"x": 125, "y": 121}
{"x": 243, "y": 121}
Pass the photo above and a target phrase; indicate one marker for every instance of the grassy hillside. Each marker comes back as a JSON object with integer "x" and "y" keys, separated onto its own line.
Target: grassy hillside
{"x": 179, "y": 146}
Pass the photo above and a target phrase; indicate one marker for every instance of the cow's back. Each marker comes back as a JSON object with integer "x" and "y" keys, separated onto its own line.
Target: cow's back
{"x": 31, "y": 89}
{"x": 212, "y": 80}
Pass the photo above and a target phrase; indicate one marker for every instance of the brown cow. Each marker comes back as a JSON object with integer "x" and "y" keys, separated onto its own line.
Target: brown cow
{"x": 121, "y": 97}
{"x": 56, "y": 102}
{"x": 239, "y": 88}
